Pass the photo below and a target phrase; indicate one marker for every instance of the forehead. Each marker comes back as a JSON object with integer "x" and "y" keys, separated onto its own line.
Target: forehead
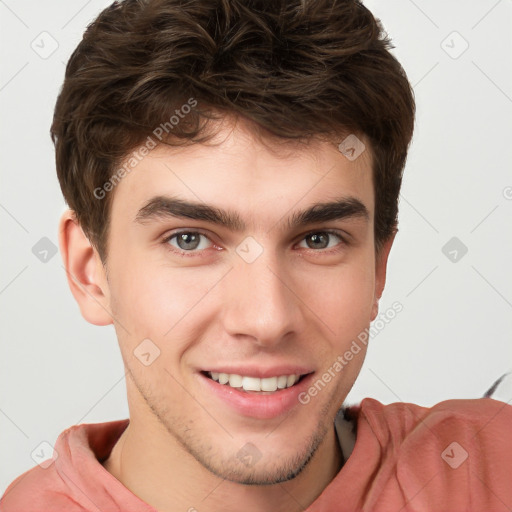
{"x": 257, "y": 177}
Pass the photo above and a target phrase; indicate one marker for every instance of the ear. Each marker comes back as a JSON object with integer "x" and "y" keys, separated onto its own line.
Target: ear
{"x": 381, "y": 263}
{"x": 85, "y": 272}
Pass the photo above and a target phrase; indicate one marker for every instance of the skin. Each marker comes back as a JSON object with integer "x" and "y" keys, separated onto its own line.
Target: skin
{"x": 297, "y": 303}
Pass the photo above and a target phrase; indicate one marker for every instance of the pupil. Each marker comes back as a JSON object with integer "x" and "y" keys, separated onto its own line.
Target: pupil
{"x": 318, "y": 238}
{"x": 188, "y": 241}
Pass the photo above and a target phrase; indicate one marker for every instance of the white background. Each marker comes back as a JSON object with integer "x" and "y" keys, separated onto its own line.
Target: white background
{"x": 453, "y": 337}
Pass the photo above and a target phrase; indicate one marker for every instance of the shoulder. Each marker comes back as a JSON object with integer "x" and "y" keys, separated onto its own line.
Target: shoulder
{"x": 474, "y": 411}
{"x": 43, "y": 486}
{"x": 483, "y": 418}
{"x": 456, "y": 453}
{"x": 34, "y": 490}
{"x": 73, "y": 473}
{"x": 477, "y": 422}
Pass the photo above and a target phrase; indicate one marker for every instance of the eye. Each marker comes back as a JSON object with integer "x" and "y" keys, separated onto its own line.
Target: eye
{"x": 188, "y": 241}
{"x": 322, "y": 240}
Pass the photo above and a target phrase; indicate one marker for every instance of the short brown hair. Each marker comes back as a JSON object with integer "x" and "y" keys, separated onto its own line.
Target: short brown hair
{"x": 299, "y": 69}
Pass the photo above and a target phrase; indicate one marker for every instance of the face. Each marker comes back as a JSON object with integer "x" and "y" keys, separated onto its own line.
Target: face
{"x": 220, "y": 269}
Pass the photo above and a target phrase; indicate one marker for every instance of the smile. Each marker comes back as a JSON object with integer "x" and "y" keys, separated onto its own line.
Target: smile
{"x": 273, "y": 393}
{"x": 255, "y": 384}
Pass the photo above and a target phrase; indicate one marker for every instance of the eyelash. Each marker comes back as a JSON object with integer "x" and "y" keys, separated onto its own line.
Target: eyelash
{"x": 193, "y": 253}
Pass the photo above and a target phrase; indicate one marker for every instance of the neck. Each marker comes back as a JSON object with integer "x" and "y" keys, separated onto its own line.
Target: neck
{"x": 157, "y": 469}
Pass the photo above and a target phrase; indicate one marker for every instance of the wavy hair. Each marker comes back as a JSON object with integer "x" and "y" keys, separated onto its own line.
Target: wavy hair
{"x": 298, "y": 69}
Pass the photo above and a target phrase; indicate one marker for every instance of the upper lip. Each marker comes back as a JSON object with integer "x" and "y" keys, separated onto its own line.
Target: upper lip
{"x": 259, "y": 371}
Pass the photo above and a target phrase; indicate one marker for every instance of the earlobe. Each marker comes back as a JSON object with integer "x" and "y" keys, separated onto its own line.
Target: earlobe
{"x": 380, "y": 273}
{"x": 375, "y": 310}
{"x": 84, "y": 272}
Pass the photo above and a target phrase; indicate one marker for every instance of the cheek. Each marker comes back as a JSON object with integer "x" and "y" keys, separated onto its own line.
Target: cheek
{"x": 342, "y": 298}
{"x": 156, "y": 302}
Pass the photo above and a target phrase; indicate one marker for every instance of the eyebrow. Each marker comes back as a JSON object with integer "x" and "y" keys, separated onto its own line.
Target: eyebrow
{"x": 164, "y": 207}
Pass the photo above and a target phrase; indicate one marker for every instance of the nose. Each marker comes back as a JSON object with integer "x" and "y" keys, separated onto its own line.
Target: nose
{"x": 260, "y": 303}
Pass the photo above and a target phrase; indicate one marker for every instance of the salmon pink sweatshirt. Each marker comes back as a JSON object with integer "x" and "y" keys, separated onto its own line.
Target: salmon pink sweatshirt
{"x": 454, "y": 456}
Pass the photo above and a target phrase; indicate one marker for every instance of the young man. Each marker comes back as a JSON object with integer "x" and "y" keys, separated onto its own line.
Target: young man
{"x": 232, "y": 171}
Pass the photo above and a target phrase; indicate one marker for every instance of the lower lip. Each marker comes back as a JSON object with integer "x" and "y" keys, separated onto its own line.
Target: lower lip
{"x": 254, "y": 405}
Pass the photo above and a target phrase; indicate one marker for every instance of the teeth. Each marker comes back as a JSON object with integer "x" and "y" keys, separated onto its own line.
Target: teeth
{"x": 250, "y": 384}
{"x": 269, "y": 384}
{"x": 282, "y": 381}
{"x": 290, "y": 381}
{"x": 235, "y": 381}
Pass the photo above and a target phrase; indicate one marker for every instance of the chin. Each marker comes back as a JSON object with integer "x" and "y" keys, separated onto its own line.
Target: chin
{"x": 268, "y": 473}
{"x": 250, "y": 466}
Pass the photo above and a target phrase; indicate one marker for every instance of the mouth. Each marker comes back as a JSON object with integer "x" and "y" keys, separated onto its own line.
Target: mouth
{"x": 249, "y": 384}
{"x": 271, "y": 394}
